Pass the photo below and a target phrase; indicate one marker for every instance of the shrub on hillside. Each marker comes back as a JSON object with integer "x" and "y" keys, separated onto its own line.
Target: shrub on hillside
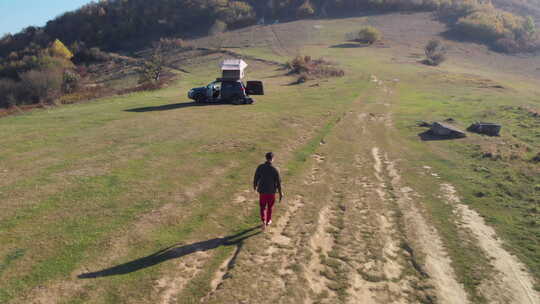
{"x": 507, "y": 45}
{"x": 82, "y": 54}
{"x": 367, "y": 34}
{"x": 70, "y": 81}
{"x": 435, "y": 52}
{"x": 299, "y": 64}
{"x": 502, "y": 30}
{"x": 236, "y": 14}
{"x": 9, "y": 92}
{"x": 42, "y": 85}
{"x": 305, "y": 10}
{"x": 217, "y": 28}
{"x": 529, "y": 28}
{"x": 45, "y": 62}
{"x": 489, "y": 25}
{"x": 307, "y": 68}
{"x": 452, "y": 10}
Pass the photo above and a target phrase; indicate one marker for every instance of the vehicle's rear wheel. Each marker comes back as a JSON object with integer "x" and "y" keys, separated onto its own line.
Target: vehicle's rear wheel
{"x": 237, "y": 100}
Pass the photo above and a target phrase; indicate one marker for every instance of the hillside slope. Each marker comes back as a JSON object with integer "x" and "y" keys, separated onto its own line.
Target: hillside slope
{"x": 131, "y": 24}
{"x": 147, "y": 197}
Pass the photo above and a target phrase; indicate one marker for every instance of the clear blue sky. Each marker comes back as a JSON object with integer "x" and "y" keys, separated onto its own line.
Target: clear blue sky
{"x": 18, "y": 14}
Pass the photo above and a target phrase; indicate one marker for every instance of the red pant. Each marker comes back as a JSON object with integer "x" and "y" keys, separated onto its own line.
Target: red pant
{"x": 266, "y": 201}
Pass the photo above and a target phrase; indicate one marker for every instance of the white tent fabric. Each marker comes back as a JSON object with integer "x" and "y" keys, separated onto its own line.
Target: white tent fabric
{"x": 234, "y": 65}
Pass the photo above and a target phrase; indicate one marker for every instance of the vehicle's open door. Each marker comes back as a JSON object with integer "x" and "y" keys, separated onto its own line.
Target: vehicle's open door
{"x": 254, "y": 88}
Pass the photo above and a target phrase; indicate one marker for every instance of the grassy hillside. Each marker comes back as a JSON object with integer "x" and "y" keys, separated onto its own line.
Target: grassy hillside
{"x": 145, "y": 152}
{"x": 128, "y": 25}
{"x": 93, "y": 194}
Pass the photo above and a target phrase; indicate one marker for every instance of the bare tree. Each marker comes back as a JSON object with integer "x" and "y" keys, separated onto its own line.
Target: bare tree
{"x": 152, "y": 68}
{"x": 42, "y": 85}
{"x": 9, "y": 91}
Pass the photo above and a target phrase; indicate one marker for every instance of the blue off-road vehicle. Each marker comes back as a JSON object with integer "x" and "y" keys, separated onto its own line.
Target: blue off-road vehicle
{"x": 227, "y": 91}
{"x": 229, "y": 88}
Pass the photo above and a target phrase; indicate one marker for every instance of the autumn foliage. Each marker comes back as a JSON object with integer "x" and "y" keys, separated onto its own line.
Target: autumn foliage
{"x": 78, "y": 37}
{"x": 113, "y": 25}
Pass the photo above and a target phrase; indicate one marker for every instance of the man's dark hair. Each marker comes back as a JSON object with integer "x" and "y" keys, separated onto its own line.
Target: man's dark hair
{"x": 269, "y": 156}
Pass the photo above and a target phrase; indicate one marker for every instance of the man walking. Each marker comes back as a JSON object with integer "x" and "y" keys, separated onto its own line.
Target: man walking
{"x": 267, "y": 182}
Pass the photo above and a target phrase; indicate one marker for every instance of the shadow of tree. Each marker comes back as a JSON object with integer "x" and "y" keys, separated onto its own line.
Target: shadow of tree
{"x": 172, "y": 252}
{"x": 349, "y": 45}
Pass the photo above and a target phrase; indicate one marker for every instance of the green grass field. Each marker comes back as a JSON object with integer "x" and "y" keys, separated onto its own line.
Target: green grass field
{"x": 88, "y": 186}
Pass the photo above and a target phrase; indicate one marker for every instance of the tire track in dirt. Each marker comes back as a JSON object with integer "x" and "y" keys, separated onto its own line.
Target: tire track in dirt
{"x": 512, "y": 283}
{"x": 223, "y": 272}
{"x": 436, "y": 270}
{"x": 320, "y": 244}
{"x": 169, "y": 287}
{"x": 437, "y": 262}
{"x": 284, "y": 246}
{"x": 392, "y": 269}
{"x": 383, "y": 272}
{"x": 292, "y": 251}
{"x": 278, "y": 245}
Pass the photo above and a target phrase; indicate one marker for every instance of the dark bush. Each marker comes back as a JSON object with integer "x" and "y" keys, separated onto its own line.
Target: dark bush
{"x": 89, "y": 55}
{"x": 507, "y": 45}
{"x": 367, "y": 34}
{"x": 42, "y": 85}
{"x": 10, "y": 92}
{"x": 435, "y": 52}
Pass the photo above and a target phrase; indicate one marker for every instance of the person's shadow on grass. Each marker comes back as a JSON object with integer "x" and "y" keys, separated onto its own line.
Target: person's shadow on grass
{"x": 171, "y": 252}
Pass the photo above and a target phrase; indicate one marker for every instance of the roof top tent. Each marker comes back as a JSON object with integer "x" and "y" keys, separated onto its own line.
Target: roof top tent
{"x": 233, "y": 69}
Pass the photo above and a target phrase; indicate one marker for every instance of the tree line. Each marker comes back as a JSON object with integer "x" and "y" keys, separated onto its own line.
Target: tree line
{"x": 127, "y": 24}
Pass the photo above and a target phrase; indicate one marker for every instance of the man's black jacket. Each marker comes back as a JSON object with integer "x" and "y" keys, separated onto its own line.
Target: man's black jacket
{"x": 266, "y": 179}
